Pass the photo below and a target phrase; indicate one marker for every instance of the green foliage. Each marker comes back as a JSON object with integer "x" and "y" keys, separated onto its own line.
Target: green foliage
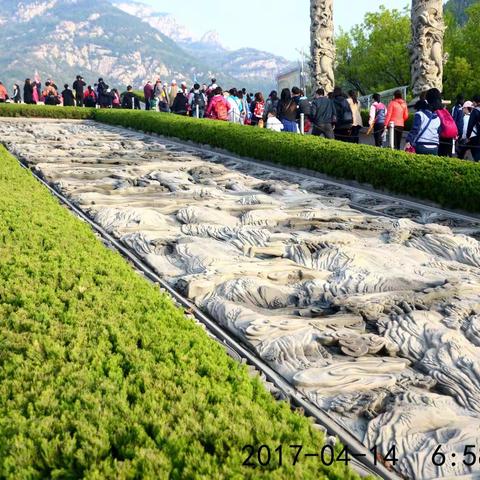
{"x": 449, "y": 182}
{"x": 374, "y": 55}
{"x": 101, "y": 377}
{"x": 462, "y": 43}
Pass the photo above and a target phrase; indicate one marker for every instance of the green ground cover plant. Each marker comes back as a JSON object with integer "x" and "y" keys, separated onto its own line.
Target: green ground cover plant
{"x": 449, "y": 182}
{"x": 102, "y": 377}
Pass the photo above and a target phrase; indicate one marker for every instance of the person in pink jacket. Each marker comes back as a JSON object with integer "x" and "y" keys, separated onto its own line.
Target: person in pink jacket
{"x": 218, "y": 107}
{"x": 397, "y": 113}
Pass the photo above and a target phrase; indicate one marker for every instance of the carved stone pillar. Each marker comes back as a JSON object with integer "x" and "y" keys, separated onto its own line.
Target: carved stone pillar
{"x": 428, "y": 30}
{"x": 322, "y": 44}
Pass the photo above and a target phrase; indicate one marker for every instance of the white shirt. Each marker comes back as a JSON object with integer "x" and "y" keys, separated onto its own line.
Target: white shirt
{"x": 273, "y": 123}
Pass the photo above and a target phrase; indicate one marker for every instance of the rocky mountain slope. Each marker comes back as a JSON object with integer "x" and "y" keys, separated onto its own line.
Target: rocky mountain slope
{"x": 252, "y": 67}
{"x": 61, "y": 38}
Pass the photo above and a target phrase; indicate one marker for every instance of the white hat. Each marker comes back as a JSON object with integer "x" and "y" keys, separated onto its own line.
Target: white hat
{"x": 468, "y": 104}
{"x": 184, "y": 84}
{"x": 174, "y": 82}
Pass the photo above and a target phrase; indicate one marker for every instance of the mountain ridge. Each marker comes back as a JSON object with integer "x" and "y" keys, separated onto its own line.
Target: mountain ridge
{"x": 63, "y": 38}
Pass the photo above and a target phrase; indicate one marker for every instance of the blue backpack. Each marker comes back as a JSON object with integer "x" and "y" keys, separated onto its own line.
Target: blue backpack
{"x": 381, "y": 113}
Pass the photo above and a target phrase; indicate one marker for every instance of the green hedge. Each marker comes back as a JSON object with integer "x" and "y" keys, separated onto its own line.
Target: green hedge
{"x": 101, "y": 377}
{"x": 449, "y": 182}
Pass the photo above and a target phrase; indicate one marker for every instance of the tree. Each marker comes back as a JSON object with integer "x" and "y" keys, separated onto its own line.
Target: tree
{"x": 374, "y": 55}
{"x": 462, "y": 44}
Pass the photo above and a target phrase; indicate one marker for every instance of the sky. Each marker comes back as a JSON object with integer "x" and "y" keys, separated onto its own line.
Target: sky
{"x": 277, "y": 26}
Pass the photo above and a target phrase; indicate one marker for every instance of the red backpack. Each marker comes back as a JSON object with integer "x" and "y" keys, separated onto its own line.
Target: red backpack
{"x": 221, "y": 111}
{"x": 449, "y": 129}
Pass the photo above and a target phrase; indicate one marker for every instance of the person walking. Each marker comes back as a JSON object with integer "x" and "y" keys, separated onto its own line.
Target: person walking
{"x": 343, "y": 116}
{"x": 258, "y": 108}
{"x": 50, "y": 94}
{"x": 271, "y": 105}
{"x": 322, "y": 115}
{"x": 458, "y": 112}
{"x": 180, "y": 104}
{"x": 103, "y": 97}
{"x": 463, "y": 143}
{"x": 449, "y": 132}
{"x": 3, "y": 93}
{"x": 378, "y": 114}
{"x": 473, "y": 129}
{"x": 28, "y": 88}
{"x": 235, "y": 112}
{"x": 148, "y": 94}
{"x": 303, "y": 107}
{"x": 357, "y": 116}
{"x": 130, "y": 100}
{"x": 172, "y": 93}
{"x": 424, "y": 137}
{"x": 78, "y": 87}
{"x": 287, "y": 111}
{"x": 35, "y": 92}
{"x": 90, "y": 97}
{"x": 68, "y": 97}
{"x": 198, "y": 102}
{"x": 16, "y": 96}
{"x": 397, "y": 112}
{"x": 218, "y": 107}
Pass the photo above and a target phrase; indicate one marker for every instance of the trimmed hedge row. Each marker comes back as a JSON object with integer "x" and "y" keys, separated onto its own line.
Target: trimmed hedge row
{"x": 449, "y": 182}
{"x": 101, "y": 377}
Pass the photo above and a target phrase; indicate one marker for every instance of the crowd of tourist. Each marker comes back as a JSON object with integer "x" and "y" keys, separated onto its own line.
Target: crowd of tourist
{"x": 435, "y": 130}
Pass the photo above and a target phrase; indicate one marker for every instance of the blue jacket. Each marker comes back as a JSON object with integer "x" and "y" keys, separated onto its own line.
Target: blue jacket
{"x": 430, "y": 135}
{"x": 458, "y": 116}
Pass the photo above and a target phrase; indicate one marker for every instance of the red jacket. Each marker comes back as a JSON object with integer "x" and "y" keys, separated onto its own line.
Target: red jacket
{"x": 212, "y": 109}
{"x": 397, "y": 113}
{"x": 3, "y": 93}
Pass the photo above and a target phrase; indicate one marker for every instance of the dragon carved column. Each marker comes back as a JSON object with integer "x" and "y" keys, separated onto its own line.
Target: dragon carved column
{"x": 428, "y": 29}
{"x": 322, "y": 44}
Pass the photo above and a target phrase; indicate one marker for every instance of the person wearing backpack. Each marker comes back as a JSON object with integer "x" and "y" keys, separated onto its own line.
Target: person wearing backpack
{"x": 180, "y": 104}
{"x": 303, "y": 106}
{"x": 473, "y": 129}
{"x": 197, "y": 99}
{"x": 129, "y": 100}
{"x": 258, "y": 108}
{"x": 397, "y": 112}
{"x": 378, "y": 114}
{"x": 218, "y": 107}
{"x": 343, "y": 116}
{"x": 424, "y": 137}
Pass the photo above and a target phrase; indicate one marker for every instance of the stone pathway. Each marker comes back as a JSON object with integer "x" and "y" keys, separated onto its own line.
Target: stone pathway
{"x": 375, "y": 319}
